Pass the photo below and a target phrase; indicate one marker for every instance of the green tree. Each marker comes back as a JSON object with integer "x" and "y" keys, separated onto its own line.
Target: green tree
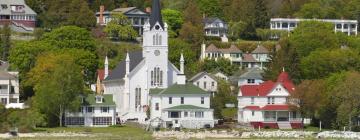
{"x": 210, "y": 8}
{"x": 222, "y": 97}
{"x": 5, "y": 42}
{"x": 311, "y": 10}
{"x": 70, "y": 37}
{"x": 58, "y": 78}
{"x": 174, "y": 20}
{"x": 192, "y": 30}
{"x": 312, "y": 35}
{"x": 120, "y": 28}
{"x": 176, "y": 47}
{"x": 67, "y": 12}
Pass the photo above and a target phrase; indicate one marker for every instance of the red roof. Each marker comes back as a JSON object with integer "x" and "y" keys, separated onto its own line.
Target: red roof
{"x": 249, "y": 58}
{"x": 275, "y": 107}
{"x": 252, "y": 107}
{"x": 101, "y": 74}
{"x": 265, "y": 88}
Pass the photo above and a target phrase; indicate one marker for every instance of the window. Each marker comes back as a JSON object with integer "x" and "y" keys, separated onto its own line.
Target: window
{"x": 104, "y": 109}
{"x": 154, "y": 38}
{"x": 4, "y": 6}
{"x": 202, "y": 100}
{"x": 74, "y": 121}
{"x": 102, "y": 120}
{"x": 338, "y": 26}
{"x": 253, "y": 113}
{"x": 4, "y": 101}
{"x": 159, "y": 40}
{"x": 99, "y": 99}
{"x": 90, "y": 109}
{"x": 284, "y": 25}
{"x": 292, "y": 24}
{"x": 294, "y": 114}
{"x": 156, "y": 106}
{"x": 199, "y": 114}
{"x": 346, "y": 26}
{"x": 268, "y": 100}
{"x": 172, "y": 114}
{"x": 182, "y": 100}
{"x": 156, "y": 77}
{"x": 170, "y": 100}
{"x": 137, "y": 97}
{"x": 80, "y": 109}
{"x": 251, "y": 81}
{"x": 204, "y": 85}
{"x": 273, "y": 100}
{"x": 252, "y": 100}
{"x": 185, "y": 114}
{"x": 198, "y": 84}
{"x": 212, "y": 84}
{"x": 13, "y": 100}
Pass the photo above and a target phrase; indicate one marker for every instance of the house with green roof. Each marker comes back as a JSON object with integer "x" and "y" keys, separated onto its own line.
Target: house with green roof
{"x": 95, "y": 111}
{"x": 182, "y": 104}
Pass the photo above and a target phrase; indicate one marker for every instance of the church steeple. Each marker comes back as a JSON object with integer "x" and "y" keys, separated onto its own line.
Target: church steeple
{"x": 156, "y": 14}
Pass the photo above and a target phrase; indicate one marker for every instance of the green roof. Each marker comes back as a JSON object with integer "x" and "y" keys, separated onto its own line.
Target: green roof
{"x": 185, "y": 107}
{"x": 179, "y": 89}
{"x": 107, "y": 100}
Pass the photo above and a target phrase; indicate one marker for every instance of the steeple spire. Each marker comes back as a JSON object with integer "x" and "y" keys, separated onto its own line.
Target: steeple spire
{"x": 182, "y": 63}
{"x": 106, "y": 67}
{"x": 156, "y": 14}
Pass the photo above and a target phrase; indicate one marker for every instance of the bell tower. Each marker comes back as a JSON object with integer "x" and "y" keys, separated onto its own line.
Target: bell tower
{"x": 155, "y": 48}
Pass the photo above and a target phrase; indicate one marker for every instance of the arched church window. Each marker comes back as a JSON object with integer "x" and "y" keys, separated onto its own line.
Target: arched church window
{"x": 137, "y": 97}
{"x": 154, "y": 40}
{"x": 160, "y": 40}
{"x": 161, "y": 77}
{"x": 156, "y": 77}
{"x": 152, "y": 78}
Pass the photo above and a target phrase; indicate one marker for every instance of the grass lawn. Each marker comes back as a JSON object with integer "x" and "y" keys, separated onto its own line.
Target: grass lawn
{"x": 104, "y": 133}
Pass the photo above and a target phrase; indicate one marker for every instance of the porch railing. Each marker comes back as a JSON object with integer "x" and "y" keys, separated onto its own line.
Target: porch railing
{"x": 282, "y": 120}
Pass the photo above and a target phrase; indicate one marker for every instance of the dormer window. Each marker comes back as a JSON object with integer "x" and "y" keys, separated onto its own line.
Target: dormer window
{"x": 99, "y": 99}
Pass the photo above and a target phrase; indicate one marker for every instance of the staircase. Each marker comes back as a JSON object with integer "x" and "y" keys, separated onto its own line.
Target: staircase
{"x": 139, "y": 116}
{"x": 284, "y": 125}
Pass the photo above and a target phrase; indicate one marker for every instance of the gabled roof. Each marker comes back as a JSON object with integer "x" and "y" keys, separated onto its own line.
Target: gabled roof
{"x": 7, "y": 11}
{"x": 212, "y": 48}
{"x": 212, "y": 19}
{"x": 201, "y": 74}
{"x": 253, "y": 73}
{"x": 261, "y": 49}
{"x": 185, "y": 107}
{"x": 101, "y": 73}
{"x": 232, "y": 49}
{"x": 120, "y": 70}
{"x": 123, "y": 10}
{"x": 265, "y": 88}
{"x": 249, "y": 58}
{"x": 90, "y": 100}
{"x": 6, "y": 76}
{"x": 178, "y": 89}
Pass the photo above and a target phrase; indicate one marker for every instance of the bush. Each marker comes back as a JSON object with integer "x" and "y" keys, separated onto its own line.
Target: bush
{"x": 212, "y": 38}
{"x": 356, "y": 128}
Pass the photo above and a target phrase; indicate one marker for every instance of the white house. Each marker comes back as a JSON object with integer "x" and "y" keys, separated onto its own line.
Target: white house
{"x": 9, "y": 87}
{"x": 182, "y": 104}
{"x": 257, "y": 58}
{"x": 132, "y": 79}
{"x": 251, "y": 77}
{"x": 265, "y": 105}
{"x": 205, "y": 81}
{"x": 95, "y": 111}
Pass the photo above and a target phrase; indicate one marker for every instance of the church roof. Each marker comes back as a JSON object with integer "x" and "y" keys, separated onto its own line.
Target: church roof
{"x": 156, "y": 14}
{"x": 178, "y": 89}
{"x": 120, "y": 70}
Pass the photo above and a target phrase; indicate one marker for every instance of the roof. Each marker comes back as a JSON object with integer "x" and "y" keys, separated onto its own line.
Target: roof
{"x": 268, "y": 107}
{"x": 249, "y": 58}
{"x": 211, "y": 20}
{"x": 201, "y": 74}
{"x": 6, "y": 76}
{"x": 178, "y": 90}
{"x": 265, "y": 88}
{"x": 185, "y": 107}
{"x": 107, "y": 100}
{"x": 156, "y": 14}
{"x": 260, "y": 49}
{"x": 252, "y": 107}
{"x": 7, "y": 11}
{"x": 232, "y": 49}
{"x": 253, "y": 73}
{"x": 101, "y": 73}
{"x": 120, "y": 70}
{"x": 275, "y": 107}
{"x": 123, "y": 10}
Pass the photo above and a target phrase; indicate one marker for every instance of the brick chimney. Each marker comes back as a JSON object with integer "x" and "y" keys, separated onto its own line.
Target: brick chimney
{"x": 148, "y": 9}
{"x": 101, "y": 16}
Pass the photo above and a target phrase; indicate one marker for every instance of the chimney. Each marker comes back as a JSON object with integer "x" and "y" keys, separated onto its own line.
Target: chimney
{"x": 148, "y": 10}
{"x": 101, "y": 16}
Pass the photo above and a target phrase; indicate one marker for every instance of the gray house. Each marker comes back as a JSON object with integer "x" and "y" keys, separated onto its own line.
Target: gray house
{"x": 215, "y": 27}
{"x": 136, "y": 16}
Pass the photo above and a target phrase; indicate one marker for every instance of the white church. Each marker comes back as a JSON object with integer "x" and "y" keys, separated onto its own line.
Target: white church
{"x": 139, "y": 83}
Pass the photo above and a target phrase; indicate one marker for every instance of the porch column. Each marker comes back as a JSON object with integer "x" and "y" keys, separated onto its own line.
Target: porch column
{"x": 349, "y": 29}
{"x": 276, "y": 116}
{"x": 289, "y": 116}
